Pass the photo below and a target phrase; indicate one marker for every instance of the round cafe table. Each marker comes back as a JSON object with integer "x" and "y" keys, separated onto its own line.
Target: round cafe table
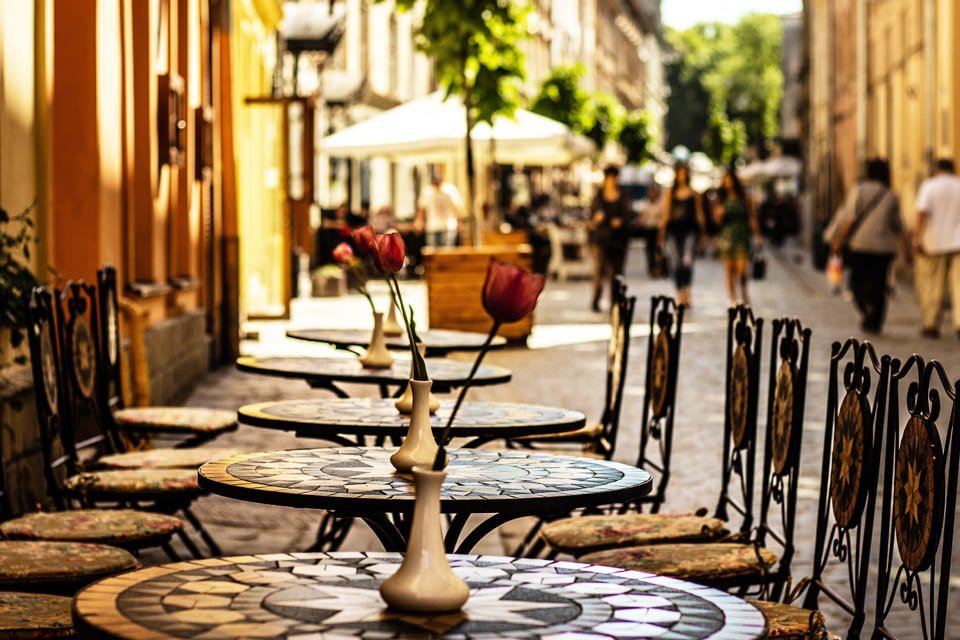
{"x": 438, "y": 342}
{"x": 361, "y": 482}
{"x": 333, "y": 418}
{"x": 326, "y": 373}
{"x": 320, "y": 595}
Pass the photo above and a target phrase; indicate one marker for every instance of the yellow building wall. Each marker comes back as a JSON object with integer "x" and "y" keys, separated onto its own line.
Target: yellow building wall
{"x": 261, "y": 193}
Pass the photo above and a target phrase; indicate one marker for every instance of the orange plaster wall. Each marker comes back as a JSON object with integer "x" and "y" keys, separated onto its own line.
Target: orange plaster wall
{"x": 74, "y": 151}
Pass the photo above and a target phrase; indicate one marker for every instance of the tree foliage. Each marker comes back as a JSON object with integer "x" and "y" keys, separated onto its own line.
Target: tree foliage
{"x": 635, "y": 135}
{"x": 561, "y": 98}
{"x": 475, "y": 48}
{"x": 726, "y": 86}
{"x": 602, "y": 116}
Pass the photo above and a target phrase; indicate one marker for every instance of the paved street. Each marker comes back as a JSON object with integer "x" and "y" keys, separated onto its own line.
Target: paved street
{"x": 565, "y": 367}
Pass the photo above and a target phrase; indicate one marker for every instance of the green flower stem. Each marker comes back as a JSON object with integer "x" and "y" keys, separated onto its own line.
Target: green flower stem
{"x": 419, "y": 366}
{"x": 366, "y": 294}
{"x": 441, "y": 460}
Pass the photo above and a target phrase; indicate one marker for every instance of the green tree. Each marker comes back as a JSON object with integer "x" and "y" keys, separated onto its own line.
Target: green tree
{"x": 725, "y": 81}
{"x": 561, "y": 98}
{"x": 475, "y": 48}
{"x": 602, "y": 116}
{"x": 634, "y": 136}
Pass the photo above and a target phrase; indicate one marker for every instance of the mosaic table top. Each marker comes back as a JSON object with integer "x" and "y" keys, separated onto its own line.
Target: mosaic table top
{"x": 437, "y": 341}
{"x": 368, "y": 416}
{"x": 444, "y": 373}
{"x": 361, "y": 480}
{"x": 305, "y": 596}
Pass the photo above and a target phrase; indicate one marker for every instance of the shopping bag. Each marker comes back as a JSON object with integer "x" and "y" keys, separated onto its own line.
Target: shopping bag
{"x": 759, "y": 268}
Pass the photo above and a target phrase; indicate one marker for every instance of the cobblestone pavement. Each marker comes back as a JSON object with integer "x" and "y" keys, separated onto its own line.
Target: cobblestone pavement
{"x": 564, "y": 367}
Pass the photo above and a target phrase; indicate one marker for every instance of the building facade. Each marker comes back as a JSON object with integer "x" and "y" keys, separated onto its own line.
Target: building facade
{"x": 883, "y": 82}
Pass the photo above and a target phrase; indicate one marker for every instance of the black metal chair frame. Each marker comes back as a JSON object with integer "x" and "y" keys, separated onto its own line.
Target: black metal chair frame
{"x": 76, "y": 305}
{"x": 744, "y": 335}
{"x": 666, "y": 320}
{"x": 790, "y": 349}
{"x": 899, "y": 577}
{"x": 109, "y": 356}
{"x": 618, "y": 352}
{"x": 854, "y": 429}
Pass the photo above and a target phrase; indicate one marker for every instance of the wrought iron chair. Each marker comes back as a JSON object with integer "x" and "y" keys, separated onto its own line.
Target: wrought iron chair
{"x": 600, "y": 439}
{"x": 193, "y": 425}
{"x": 125, "y": 528}
{"x": 921, "y": 472}
{"x": 749, "y": 564}
{"x": 586, "y": 534}
{"x": 852, "y": 447}
{"x": 165, "y": 490}
{"x": 663, "y": 358}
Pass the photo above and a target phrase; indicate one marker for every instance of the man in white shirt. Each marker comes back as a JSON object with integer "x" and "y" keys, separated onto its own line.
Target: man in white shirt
{"x": 438, "y": 213}
{"x": 937, "y": 244}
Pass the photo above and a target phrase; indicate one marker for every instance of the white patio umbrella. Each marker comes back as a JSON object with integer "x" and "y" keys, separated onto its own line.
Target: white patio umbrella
{"x": 431, "y": 128}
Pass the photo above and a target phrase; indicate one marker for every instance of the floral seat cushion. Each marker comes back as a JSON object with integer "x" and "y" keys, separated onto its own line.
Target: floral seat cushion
{"x": 34, "y": 616}
{"x": 176, "y": 419}
{"x": 703, "y": 563}
{"x": 108, "y": 526}
{"x": 166, "y": 458}
{"x": 59, "y": 564}
{"x": 134, "y": 483}
{"x": 787, "y": 622}
{"x": 592, "y": 533}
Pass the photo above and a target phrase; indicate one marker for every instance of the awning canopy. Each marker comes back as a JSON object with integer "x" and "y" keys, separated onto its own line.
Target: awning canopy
{"x": 433, "y": 129}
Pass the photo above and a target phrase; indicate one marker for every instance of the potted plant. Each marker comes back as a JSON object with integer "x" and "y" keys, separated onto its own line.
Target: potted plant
{"x": 16, "y": 282}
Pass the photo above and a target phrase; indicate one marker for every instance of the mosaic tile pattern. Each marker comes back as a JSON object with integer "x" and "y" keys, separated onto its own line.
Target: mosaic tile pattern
{"x": 305, "y": 596}
{"x": 445, "y": 373}
{"x": 362, "y": 480}
{"x": 436, "y": 340}
{"x": 367, "y": 416}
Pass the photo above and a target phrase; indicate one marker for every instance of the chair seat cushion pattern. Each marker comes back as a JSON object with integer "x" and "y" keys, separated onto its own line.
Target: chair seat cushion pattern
{"x": 107, "y": 526}
{"x": 593, "y": 533}
{"x": 166, "y": 458}
{"x": 31, "y": 562}
{"x": 176, "y": 419}
{"x": 703, "y": 563}
{"x": 787, "y": 622}
{"x": 134, "y": 483}
{"x": 34, "y": 616}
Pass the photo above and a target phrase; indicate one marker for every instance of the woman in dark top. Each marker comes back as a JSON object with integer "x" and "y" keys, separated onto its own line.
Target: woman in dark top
{"x": 611, "y": 235}
{"x": 682, "y": 221}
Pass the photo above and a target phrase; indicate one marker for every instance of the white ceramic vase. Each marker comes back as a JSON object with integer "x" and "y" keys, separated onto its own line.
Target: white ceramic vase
{"x": 391, "y": 327}
{"x": 419, "y": 446}
{"x": 377, "y": 355}
{"x": 425, "y": 583}
{"x": 404, "y": 403}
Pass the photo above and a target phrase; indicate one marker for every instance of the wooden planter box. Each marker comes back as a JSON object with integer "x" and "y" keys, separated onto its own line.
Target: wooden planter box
{"x": 455, "y": 283}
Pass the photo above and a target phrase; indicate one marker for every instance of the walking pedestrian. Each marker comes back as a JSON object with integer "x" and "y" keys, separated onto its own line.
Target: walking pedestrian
{"x": 611, "y": 233}
{"x": 937, "y": 243}
{"x": 737, "y": 222}
{"x": 683, "y": 222}
{"x": 647, "y": 227}
{"x": 438, "y": 213}
{"x": 866, "y": 231}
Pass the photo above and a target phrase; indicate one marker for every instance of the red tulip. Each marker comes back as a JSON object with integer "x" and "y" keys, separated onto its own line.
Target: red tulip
{"x": 388, "y": 252}
{"x": 343, "y": 254}
{"x": 363, "y": 239}
{"x": 509, "y": 292}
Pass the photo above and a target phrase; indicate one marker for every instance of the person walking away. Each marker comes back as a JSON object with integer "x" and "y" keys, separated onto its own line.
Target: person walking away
{"x": 866, "y": 231}
{"x": 438, "y": 213}
{"x": 737, "y": 220}
{"x": 647, "y": 227}
{"x": 611, "y": 233}
{"x": 937, "y": 243}
{"x": 681, "y": 220}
